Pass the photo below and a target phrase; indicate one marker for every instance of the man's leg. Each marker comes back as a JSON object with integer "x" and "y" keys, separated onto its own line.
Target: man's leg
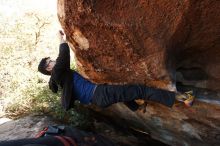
{"x": 164, "y": 97}
{"x": 106, "y": 95}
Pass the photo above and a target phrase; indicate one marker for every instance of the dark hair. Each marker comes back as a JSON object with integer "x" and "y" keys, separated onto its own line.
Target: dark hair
{"x": 43, "y": 65}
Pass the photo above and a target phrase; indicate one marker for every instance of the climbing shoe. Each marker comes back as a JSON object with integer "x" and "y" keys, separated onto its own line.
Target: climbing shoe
{"x": 187, "y": 98}
{"x": 190, "y": 99}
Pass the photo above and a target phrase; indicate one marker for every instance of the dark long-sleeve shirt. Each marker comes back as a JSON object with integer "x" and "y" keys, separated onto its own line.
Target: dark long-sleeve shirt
{"x": 62, "y": 76}
{"x": 74, "y": 86}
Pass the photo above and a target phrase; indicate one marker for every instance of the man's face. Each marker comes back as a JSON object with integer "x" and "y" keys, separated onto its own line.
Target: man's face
{"x": 50, "y": 64}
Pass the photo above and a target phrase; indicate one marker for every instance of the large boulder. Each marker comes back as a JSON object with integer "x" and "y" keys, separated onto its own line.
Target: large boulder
{"x": 156, "y": 43}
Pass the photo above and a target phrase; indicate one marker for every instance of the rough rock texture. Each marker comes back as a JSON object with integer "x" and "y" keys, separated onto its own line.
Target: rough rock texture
{"x": 157, "y": 43}
{"x": 27, "y": 127}
{"x": 140, "y": 41}
{"x": 179, "y": 126}
{"x": 30, "y": 126}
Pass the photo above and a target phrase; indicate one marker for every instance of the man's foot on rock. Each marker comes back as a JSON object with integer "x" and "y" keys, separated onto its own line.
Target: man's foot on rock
{"x": 187, "y": 98}
{"x": 190, "y": 99}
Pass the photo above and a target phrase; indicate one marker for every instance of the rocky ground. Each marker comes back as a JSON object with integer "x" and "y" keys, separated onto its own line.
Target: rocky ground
{"x": 26, "y": 127}
{"x": 29, "y": 126}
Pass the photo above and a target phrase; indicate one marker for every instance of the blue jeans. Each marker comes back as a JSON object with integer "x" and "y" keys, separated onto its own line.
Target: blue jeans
{"x": 106, "y": 95}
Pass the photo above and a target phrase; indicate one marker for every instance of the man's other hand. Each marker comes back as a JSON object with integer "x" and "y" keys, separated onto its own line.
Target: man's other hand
{"x": 62, "y": 36}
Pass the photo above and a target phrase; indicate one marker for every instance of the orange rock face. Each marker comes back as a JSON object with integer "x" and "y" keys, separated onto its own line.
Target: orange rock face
{"x": 154, "y": 42}
{"x": 146, "y": 42}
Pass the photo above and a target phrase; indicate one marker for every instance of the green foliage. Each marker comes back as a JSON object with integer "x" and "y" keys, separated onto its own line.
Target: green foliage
{"x": 26, "y": 37}
{"x": 39, "y": 99}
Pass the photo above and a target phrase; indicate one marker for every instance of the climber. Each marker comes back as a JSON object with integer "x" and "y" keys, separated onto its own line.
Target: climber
{"x": 75, "y": 87}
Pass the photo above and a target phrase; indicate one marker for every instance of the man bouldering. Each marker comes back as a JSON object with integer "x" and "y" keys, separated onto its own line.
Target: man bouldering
{"x": 75, "y": 87}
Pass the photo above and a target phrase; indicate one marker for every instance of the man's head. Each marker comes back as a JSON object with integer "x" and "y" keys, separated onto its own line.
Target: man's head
{"x": 46, "y": 65}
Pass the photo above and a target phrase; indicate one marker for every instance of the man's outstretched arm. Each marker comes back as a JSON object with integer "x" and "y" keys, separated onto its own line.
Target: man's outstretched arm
{"x": 62, "y": 61}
